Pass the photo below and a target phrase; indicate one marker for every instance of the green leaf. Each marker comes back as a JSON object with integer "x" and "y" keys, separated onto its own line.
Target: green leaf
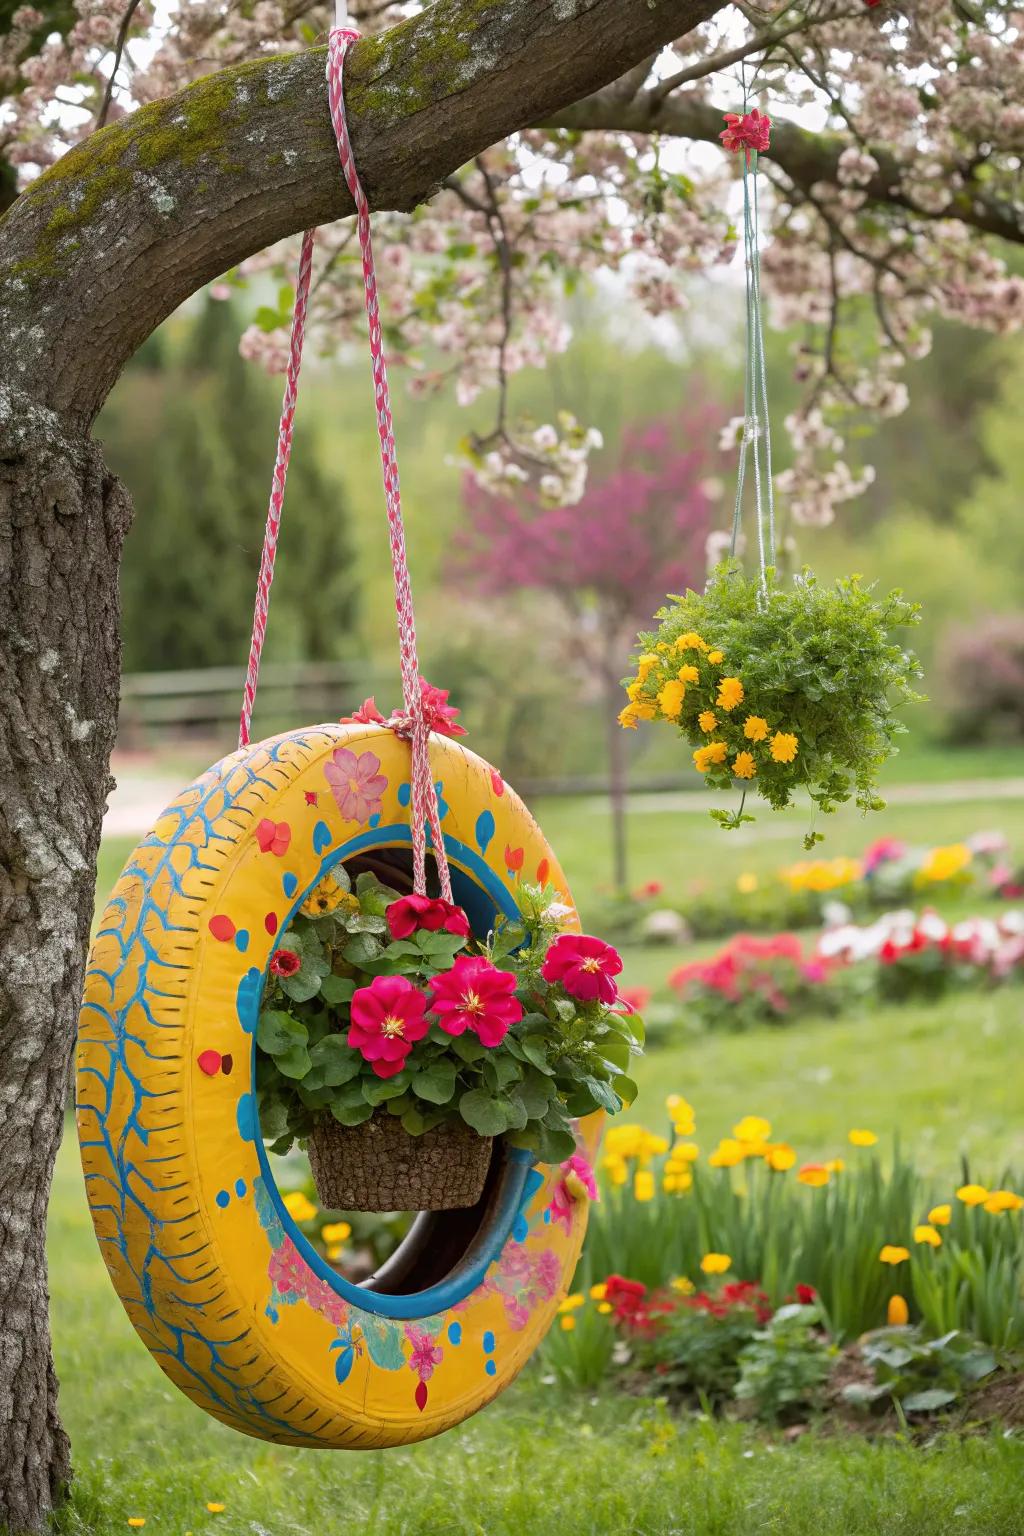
{"x": 364, "y": 947}
{"x": 486, "y": 1115}
{"x": 378, "y": 1090}
{"x": 535, "y": 1049}
{"x": 351, "y": 1114}
{"x": 337, "y": 989}
{"x": 303, "y": 985}
{"x": 414, "y": 1122}
{"x": 468, "y": 1048}
{"x": 336, "y": 1060}
{"x": 278, "y": 1032}
{"x": 928, "y": 1401}
{"x": 436, "y": 1083}
{"x": 626, "y": 1089}
{"x": 374, "y": 898}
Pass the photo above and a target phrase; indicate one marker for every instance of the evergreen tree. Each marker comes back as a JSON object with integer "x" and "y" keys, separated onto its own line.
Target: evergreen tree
{"x": 192, "y": 431}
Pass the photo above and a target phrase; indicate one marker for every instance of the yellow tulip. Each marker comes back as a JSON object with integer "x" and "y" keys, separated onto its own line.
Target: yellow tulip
{"x": 715, "y": 1263}
{"x": 898, "y": 1313}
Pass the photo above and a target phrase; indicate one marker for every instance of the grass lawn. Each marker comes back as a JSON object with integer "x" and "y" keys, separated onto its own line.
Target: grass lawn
{"x": 537, "y": 1462}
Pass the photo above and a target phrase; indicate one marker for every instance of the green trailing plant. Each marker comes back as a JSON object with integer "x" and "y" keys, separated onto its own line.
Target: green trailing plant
{"x": 779, "y": 686}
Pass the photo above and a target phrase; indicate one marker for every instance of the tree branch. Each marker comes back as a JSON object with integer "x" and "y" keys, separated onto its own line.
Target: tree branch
{"x": 805, "y": 157}
{"x": 110, "y": 240}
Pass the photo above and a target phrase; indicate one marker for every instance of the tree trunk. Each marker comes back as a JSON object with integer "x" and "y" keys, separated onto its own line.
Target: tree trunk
{"x": 62, "y": 523}
{"x": 617, "y": 777}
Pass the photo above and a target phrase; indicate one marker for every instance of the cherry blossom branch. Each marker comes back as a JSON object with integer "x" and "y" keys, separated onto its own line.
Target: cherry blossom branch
{"x": 119, "y": 46}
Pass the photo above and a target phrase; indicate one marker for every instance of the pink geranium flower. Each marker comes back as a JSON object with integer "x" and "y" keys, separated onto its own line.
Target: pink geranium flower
{"x": 357, "y": 783}
{"x": 413, "y": 912}
{"x": 285, "y": 963}
{"x": 577, "y": 1183}
{"x": 475, "y": 995}
{"x": 438, "y": 713}
{"x": 585, "y": 966}
{"x": 366, "y": 714}
{"x": 388, "y": 1016}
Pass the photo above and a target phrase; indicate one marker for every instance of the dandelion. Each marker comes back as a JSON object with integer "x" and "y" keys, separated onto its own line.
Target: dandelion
{"x": 604, "y": 1307}
{"x": 730, "y": 693}
{"x": 715, "y": 1263}
{"x": 783, "y": 747}
{"x": 862, "y": 1138}
{"x": 814, "y": 1175}
{"x": 571, "y": 1303}
{"x": 716, "y": 658}
{"x": 568, "y": 1323}
{"x": 898, "y": 1315}
{"x": 928, "y": 1235}
{"x": 972, "y": 1194}
{"x": 682, "y": 1286}
{"x": 755, "y": 728}
{"x": 707, "y": 720}
{"x": 780, "y": 1158}
{"x": 599, "y": 1292}
{"x": 685, "y": 1151}
{"x": 940, "y": 1215}
{"x": 216, "y": 1509}
{"x": 892, "y": 1254}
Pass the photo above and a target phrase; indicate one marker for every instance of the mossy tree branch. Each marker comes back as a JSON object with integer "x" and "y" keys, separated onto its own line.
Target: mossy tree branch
{"x": 121, "y": 230}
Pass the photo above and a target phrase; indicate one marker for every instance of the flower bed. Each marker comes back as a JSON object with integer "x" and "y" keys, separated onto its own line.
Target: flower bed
{"x": 889, "y": 873}
{"x": 750, "y": 1278}
{"x": 899, "y": 957}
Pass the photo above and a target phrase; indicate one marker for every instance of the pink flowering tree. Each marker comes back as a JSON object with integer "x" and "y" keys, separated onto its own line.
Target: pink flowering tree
{"x": 508, "y": 147}
{"x": 606, "y": 560}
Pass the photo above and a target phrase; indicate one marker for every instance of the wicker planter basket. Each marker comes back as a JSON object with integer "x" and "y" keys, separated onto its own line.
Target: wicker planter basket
{"x": 378, "y": 1166}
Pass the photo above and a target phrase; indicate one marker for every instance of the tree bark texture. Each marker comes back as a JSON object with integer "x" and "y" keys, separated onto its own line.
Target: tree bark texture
{"x": 62, "y": 521}
{"x": 93, "y": 256}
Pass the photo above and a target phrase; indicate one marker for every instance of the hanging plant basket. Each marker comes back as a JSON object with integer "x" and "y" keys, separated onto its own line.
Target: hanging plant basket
{"x": 379, "y": 1166}
{"x": 777, "y": 686}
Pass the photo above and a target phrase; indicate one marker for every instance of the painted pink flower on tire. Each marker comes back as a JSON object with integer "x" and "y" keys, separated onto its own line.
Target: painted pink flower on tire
{"x": 356, "y": 782}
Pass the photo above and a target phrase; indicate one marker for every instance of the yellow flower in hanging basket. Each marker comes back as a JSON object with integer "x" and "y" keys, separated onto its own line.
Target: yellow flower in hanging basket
{"x": 327, "y": 896}
{"x": 816, "y": 673}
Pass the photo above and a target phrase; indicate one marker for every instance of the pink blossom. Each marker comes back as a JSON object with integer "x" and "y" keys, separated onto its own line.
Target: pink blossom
{"x": 388, "y": 1016}
{"x": 357, "y": 783}
{"x": 475, "y": 995}
{"x": 431, "y": 914}
{"x": 585, "y": 967}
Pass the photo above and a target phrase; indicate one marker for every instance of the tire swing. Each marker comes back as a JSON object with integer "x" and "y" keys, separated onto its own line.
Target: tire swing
{"x": 233, "y": 1302}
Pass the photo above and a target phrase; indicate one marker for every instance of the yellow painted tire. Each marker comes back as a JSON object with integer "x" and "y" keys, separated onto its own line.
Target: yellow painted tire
{"x": 231, "y": 1300}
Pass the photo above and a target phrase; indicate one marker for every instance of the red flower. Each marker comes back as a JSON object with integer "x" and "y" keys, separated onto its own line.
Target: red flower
{"x": 433, "y": 914}
{"x": 366, "y": 714}
{"x": 438, "y": 713}
{"x": 806, "y": 1295}
{"x": 636, "y": 999}
{"x": 285, "y": 962}
{"x": 475, "y": 995}
{"x": 387, "y": 1017}
{"x": 751, "y": 131}
{"x": 584, "y": 965}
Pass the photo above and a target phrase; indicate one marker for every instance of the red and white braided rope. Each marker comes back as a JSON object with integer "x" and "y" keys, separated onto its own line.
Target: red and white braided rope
{"x": 423, "y": 807}
{"x": 276, "y": 507}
